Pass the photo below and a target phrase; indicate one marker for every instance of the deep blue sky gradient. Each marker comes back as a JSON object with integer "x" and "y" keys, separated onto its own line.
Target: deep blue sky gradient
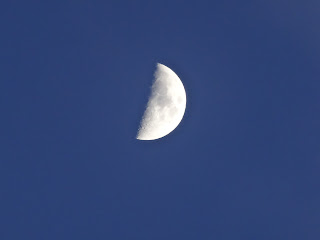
{"x": 243, "y": 164}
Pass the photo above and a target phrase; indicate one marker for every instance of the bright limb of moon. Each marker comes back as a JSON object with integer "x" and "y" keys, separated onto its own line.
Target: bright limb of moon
{"x": 166, "y": 105}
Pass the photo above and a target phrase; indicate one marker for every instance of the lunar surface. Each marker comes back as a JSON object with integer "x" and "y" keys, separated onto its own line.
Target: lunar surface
{"x": 166, "y": 105}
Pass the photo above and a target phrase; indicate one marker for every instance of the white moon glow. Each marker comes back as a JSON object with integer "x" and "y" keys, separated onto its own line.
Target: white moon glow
{"x": 166, "y": 105}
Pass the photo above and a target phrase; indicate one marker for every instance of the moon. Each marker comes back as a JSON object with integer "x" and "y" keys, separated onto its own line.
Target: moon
{"x": 165, "y": 107}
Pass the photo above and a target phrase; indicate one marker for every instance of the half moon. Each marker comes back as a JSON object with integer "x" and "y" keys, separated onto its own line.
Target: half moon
{"x": 166, "y": 105}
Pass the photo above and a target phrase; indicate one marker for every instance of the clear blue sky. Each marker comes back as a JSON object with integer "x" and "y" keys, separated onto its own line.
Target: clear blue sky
{"x": 243, "y": 164}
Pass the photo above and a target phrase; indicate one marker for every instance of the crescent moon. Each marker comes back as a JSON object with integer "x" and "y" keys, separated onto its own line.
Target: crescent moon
{"x": 166, "y": 105}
